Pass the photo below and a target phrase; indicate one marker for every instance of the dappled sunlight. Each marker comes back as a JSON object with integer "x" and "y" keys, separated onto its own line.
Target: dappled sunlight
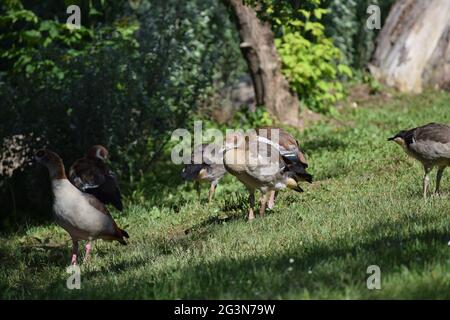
{"x": 202, "y": 149}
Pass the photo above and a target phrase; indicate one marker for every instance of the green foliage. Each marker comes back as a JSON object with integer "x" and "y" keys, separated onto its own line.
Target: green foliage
{"x": 346, "y": 25}
{"x": 374, "y": 85}
{"x": 247, "y": 119}
{"x": 126, "y": 81}
{"x": 365, "y": 208}
{"x": 311, "y": 62}
{"x": 29, "y": 40}
{"x": 342, "y": 26}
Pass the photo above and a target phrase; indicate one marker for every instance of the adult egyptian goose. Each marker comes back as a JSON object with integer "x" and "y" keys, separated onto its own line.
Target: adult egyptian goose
{"x": 81, "y": 214}
{"x": 206, "y": 166}
{"x": 430, "y": 144}
{"x": 290, "y": 148}
{"x": 91, "y": 174}
{"x": 262, "y": 163}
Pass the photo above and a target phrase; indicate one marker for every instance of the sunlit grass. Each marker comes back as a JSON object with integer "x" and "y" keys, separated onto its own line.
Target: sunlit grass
{"x": 364, "y": 208}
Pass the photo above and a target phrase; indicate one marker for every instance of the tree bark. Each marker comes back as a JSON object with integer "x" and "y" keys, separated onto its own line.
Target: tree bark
{"x": 258, "y": 48}
{"x": 413, "y": 48}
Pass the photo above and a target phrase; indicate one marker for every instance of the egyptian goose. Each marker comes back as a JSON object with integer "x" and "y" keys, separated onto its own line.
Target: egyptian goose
{"x": 289, "y": 146}
{"x": 91, "y": 174}
{"x": 246, "y": 158}
{"x": 81, "y": 214}
{"x": 206, "y": 166}
{"x": 430, "y": 144}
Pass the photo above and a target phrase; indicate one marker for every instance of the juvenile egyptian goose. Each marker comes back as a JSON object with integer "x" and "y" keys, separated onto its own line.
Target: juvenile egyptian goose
{"x": 430, "y": 144}
{"x": 91, "y": 174}
{"x": 263, "y": 164}
{"x": 209, "y": 168}
{"x": 82, "y": 215}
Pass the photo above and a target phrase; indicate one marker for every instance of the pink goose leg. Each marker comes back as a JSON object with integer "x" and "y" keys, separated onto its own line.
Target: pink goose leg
{"x": 271, "y": 199}
{"x": 88, "y": 251}
{"x": 74, "y": 252}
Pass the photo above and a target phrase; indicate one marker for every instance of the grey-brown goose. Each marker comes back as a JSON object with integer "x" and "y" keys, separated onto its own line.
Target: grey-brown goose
{"x": 91, "y": 174}
{"x": 290, "y": 148}
{"x": 206, "y": 166}
{"x": 430, "y": 144}
{"x": 261, "y": 164}
{"x": 81, "y": 214}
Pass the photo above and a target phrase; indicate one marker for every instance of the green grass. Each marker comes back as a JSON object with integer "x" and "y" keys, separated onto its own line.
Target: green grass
{"x": 364, "y": 208}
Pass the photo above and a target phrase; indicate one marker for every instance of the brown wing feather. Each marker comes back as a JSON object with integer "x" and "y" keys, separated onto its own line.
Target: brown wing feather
{"x": 94, "y": 177}
{"x": 87, "y": 173}
{"x": 287, "y": 141}
{"x": 212, "y": 167}
{"x": 97, "y": 204}
{"x": 433, "y": 132}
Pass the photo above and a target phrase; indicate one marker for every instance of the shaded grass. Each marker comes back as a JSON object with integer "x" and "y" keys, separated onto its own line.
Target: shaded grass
{"x": 364, "y": 208}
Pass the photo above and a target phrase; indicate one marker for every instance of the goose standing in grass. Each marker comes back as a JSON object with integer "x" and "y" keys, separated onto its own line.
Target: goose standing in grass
{"x": 290, "y": 148}
{"x": 91, "y": 174}
{"x": 209, "y": 169}
{"x": 430, "y": 144}
{"x": 81, "y": 214}
{"x": 260, "y": 163}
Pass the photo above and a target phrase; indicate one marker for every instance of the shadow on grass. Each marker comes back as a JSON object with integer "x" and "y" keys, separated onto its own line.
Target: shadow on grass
{"x": 328, "y": 143}
{"x": 212, "y": 221}
{"x": 317, "y": 270}
{"x": 333, "y": 171}
{"x": 325, "y": 271}
{"x": 37, "y": 257}
{"x": 41, "y": 256}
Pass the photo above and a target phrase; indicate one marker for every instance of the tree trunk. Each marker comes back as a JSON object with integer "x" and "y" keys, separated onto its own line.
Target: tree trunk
{"x": 258, "y": 48}
{"x": 413, "y": 48}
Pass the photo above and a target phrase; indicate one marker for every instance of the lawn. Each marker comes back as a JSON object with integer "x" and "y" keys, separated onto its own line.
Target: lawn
{"x": 364, "y": 208}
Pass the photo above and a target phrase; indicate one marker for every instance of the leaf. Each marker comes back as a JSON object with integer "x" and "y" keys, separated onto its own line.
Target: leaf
{"x": 93, "y": 12}
{"x": 345, "y": 70}
{"x": 29, "y": 69}
{"x": 305, "y": 13}
{"x": 319, "y": 12}
{"x": 31, "y": 36}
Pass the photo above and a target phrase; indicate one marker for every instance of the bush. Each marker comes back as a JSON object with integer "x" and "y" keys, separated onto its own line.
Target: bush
{"x": 312, "y": 64}
{"x": 346, "y": 25}
{"x": 126, "y": 82}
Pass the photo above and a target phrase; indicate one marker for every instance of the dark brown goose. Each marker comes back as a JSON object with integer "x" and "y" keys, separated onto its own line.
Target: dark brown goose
{"x": 205, "y": 166}
{"x": 91, "y": 174}
{"x": 430, "y": 144}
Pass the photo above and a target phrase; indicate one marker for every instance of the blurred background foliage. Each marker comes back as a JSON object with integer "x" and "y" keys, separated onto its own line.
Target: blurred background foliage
{"x": 136, "y": 70}
{"x": 126, "y": 79}
{"x": 322, "y": 43}
{"x": 311, "y": 61}
{"x": 344, "y": 24}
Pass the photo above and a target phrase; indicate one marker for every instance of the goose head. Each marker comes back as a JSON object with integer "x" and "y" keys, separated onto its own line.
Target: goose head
{"x": 98, "y": 152}
{"x": 52, "y": 162}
